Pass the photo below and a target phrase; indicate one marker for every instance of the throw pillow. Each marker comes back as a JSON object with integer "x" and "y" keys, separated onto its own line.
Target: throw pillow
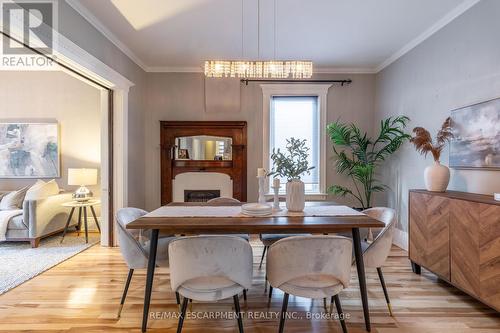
{"x": 42, "y": 190}
{"x": 14, "y": 199}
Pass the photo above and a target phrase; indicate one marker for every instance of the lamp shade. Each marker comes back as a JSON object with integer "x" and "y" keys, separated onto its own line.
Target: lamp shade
{"x": 82, "y": 176}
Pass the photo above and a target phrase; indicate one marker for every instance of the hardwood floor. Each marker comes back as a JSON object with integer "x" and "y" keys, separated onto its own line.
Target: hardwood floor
{"x": 83, "y": 293}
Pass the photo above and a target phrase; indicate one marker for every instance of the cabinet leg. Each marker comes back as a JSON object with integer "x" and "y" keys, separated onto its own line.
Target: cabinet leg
{"x": 415, "y": 268}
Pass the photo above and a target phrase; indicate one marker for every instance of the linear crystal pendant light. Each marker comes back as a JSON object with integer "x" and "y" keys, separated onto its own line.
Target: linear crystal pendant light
{"x": 273, "y": 69}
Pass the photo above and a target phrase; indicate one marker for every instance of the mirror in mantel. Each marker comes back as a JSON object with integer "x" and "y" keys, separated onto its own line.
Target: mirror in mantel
{"x": 203, "y": 147}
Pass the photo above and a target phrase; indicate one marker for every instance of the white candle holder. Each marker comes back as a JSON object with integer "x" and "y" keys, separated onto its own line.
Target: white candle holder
{"x": 262, "y": 192}
{"x": 276, "y": 198}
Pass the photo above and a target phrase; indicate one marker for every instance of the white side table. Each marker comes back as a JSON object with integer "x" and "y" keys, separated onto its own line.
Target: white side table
{"x": 82, "y": 206}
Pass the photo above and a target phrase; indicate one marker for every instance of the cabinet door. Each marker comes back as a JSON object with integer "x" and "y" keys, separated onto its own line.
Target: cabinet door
{"x": 489, "y": 238}
{"x": 430, "y": 233}
{"x": 464, "y": 222}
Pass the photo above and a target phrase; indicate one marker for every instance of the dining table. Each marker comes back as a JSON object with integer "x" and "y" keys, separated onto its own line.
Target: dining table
{"x": 202, "y": 218}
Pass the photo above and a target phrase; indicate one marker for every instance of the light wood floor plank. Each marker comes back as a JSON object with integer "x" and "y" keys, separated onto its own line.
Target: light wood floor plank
{"x": 83, "y": 293}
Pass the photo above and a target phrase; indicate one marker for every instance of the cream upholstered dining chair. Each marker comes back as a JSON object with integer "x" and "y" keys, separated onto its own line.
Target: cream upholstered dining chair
{"x": 375, "y": 253}
{"x": 134, "y": 246}
{"x": 221, "y": 201}
{"x": 311, "y": 267}
{"x": 210, "y": 268}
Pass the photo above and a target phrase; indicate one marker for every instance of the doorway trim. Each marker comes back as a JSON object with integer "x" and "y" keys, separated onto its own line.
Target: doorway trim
{"x": 114, "y": 89}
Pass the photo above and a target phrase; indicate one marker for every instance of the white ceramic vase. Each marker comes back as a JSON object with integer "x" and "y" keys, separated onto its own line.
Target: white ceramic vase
{"x": 295, "y": 195}
{"x": 436, "y": 177}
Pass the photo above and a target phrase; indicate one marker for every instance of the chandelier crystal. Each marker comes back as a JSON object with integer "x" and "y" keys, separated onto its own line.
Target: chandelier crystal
{"x": 274, "y": 69}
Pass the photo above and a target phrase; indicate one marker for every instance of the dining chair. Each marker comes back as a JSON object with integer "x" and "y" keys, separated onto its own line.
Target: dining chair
{"x": 311, "y": 267}
{"x": 268, "y": 240}
{"x": 375, "y": 253}
{"x": 134, "y": 246}
{"x": 221, "y": 201}
{"x": 210, "y": 268}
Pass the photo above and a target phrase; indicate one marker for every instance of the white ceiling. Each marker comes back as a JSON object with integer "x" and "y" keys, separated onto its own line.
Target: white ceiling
{"x": 338, "y": 35}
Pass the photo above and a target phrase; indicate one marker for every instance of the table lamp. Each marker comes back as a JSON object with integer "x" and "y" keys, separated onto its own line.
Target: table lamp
{"x": 82, "y": 177}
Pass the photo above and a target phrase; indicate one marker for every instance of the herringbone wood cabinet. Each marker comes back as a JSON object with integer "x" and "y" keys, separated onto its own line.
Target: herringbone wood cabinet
{"x": 456, "y": 235}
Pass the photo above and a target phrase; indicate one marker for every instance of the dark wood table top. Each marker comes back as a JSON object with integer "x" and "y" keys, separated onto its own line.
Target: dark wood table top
{"x": 254, "y": 225}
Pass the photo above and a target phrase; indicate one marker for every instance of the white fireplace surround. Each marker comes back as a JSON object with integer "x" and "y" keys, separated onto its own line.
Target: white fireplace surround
{"x": 201, "y": 181}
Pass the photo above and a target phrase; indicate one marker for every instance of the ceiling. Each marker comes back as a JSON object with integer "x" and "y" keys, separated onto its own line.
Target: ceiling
{"x": 337, "y": 35}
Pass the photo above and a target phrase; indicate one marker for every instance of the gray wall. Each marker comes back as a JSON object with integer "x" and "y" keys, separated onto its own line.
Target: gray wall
{"x": 77, "y": 29}
{"x": 55, "y": 96}
{"x": 180, "y": 96}
{"x": 457, "y": 66}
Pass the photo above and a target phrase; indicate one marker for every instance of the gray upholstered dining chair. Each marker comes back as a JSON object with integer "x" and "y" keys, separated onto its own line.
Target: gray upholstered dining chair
{"x": 221, "y": 201}
{"x": 210, "y": 268}
{"x": 375, "y": 253}
{"x": 311, "y": 267}
{"x": 134, "y": 246}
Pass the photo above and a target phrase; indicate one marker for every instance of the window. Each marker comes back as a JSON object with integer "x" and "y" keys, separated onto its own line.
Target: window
{"x": 299, "y": 111}
{"x": 297, "y": 116}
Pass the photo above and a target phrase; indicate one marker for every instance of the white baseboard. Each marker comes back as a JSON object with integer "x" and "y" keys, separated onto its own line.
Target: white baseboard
{"x": 400, "y": 239}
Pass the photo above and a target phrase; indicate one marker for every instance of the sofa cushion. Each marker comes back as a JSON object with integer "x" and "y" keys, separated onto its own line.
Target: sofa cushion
{"x": 42, "y": 190}
{"x": 17, "y": 223}
{"x": 13, "y": 200}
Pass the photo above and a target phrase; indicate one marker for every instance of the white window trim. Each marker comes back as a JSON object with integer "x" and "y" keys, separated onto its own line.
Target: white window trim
{"x": 298, "y": 89}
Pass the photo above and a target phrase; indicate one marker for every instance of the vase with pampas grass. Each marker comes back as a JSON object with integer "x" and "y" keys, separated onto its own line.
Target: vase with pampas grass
{"x": 437, "y": 176}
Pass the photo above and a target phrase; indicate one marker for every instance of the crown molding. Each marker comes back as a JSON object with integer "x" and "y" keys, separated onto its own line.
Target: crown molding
{"x": 441, "y": 23}
{"x": 445, "y": 20}
{"x": 174, "y": 69}
{"x": 94, "y": 21}
{"x": 344, "y": 70}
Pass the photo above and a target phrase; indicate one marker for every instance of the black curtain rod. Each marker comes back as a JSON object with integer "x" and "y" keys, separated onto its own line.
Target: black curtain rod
{"x": 342, "y": 82}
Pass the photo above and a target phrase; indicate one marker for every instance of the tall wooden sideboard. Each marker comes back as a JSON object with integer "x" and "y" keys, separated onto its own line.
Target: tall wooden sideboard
{"x": 456, "y": 236}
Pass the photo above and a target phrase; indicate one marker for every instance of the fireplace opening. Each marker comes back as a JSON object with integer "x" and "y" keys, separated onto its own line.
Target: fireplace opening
{"x": 200, "y": 195}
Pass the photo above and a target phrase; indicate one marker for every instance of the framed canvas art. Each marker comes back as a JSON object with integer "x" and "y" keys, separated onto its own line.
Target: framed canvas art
{"x": 29, "y": 150}
{"x": 477, "y": 136}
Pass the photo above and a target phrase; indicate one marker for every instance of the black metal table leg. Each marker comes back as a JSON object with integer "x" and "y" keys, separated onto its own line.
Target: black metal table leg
{"x": 95, "y": 218}
{"x": 79, "y": 220}
{"x": 149, "y": 280}
{"x": 360, "y": 267}
{"x": 86, "y": 224}
{"x": 67, "y": 223}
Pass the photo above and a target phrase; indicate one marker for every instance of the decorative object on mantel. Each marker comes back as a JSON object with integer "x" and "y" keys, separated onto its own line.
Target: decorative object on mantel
{"x": 358, "y": 156}
{"x": 31, "y": 150}
{"x": 276, "y": 188}
{"x": 476, "y": 142}
{"x": 496, "y": 196}
{"x": 437, "y": 176}
{"x": 291, "y": 166}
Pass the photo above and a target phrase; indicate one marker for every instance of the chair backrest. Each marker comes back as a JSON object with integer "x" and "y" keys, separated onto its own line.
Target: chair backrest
{"x": 130, "y": 240}
{"x": 210, "y": 256}
{"x": 378, "y": 251}
{"x": 300, "y": 256}
{"x": 222, "y": 201}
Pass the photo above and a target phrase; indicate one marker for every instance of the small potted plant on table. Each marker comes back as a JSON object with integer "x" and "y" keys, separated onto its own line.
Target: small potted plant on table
{"x": 291, "y": 165}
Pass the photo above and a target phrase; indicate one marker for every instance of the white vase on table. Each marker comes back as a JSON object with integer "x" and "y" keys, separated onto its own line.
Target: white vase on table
{"x": 436, "y": 177}
{"x": 295, "y": 195}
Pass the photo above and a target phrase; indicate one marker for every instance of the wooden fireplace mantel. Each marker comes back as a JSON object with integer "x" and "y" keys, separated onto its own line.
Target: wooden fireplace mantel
{"x": 236, "y": 169}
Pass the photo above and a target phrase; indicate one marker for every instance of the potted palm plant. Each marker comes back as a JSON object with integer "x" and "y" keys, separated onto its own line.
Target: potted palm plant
{"x": 358, "y": 156}
{"x": 437, "y": 176}
{"x": 291, "y": 165}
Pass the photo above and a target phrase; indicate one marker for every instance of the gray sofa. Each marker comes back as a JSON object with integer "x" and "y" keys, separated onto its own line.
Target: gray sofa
{"x": 40, "y": 218}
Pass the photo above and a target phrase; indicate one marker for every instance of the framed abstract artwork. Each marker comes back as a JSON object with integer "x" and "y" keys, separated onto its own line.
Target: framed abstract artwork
{"x": 477, "y": 136}
{"x": 29, "y": 150}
